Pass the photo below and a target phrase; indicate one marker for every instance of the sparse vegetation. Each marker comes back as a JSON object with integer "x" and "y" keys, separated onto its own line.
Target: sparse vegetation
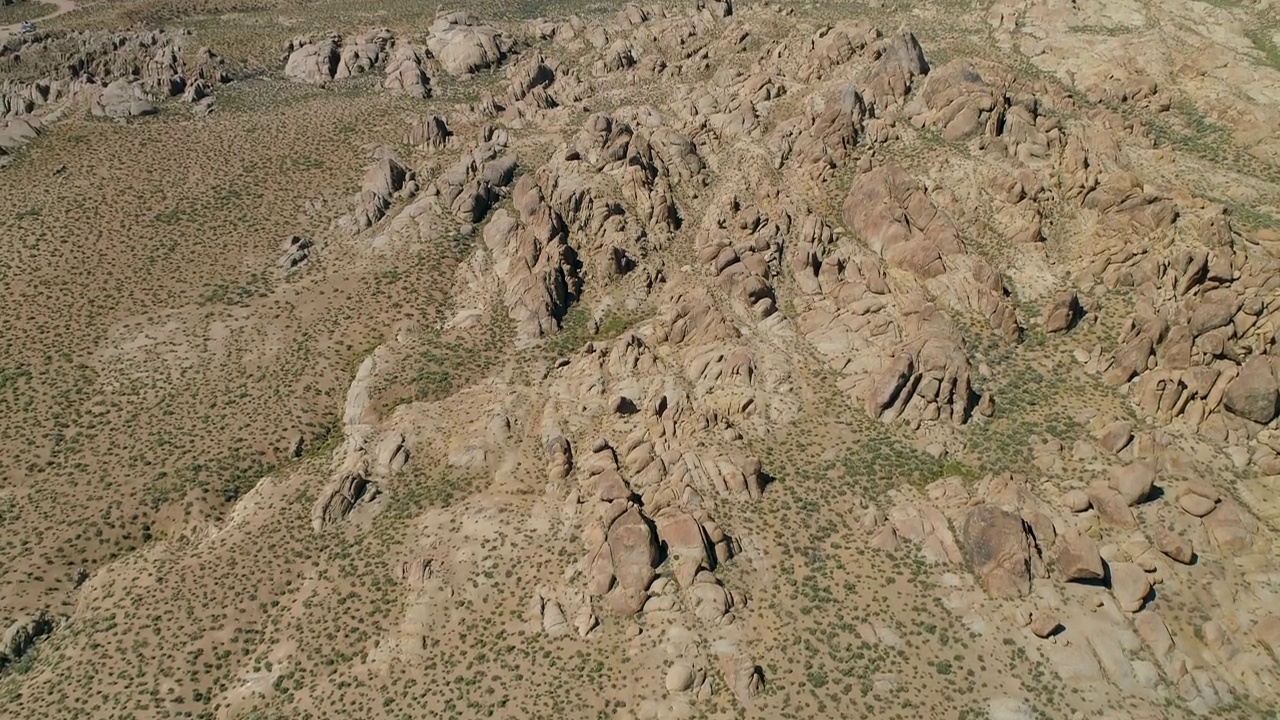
{"x": 177, "y": 405}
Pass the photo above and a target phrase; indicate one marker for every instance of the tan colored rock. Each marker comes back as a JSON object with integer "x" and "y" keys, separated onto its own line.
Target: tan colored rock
{"x": 464, "y": 46}
{"x": 313, "y": 62}
{"x": 1196, "y": 505}
{"x": 894, "y": 215}
{"x": 885, "y": 538}
{"x": 1115, "y": 436}
{"x": 406, "y": 73}
{"x": 1155, "y": 634}
{"x": 1129, "y": 360}
{"x": 1062, "y": 313}
{"x": 383, "y": 182}
{"x": 743, "y": 676}
{"x": 1130, "y": 586}
{"x": 1198, "y": 487}
{"x": 1079, "y": 559}
{"x": 824, "y": 139}
{"x": 339, "y": 498}
{"x": 1044, "y": 625}
{"x": 1230, "y": 527}
{"x": 1173, "y": 545}
{"x": 1077, "y": 501}
{"x": 633, "y": 550}
{"x": 431, "y": 132}
{"x": 122, "y": 99}
{"x": 687, "y": 545}
{"x": 679, "y": 678}
{"x": 1134, "y": 482}
{"x": 554, "y": 623}
{"x": 901, "y": 61}
{"x": 1111, "y": 507}
{"x": 20, "y": 636}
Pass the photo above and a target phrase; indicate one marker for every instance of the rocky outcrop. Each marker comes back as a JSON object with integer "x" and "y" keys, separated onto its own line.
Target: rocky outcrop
{"x": 1174, "y": 546}
{"x": 534, "y": 262}
{"x": 119, "y": 75}
{"x": 900, "y": 61}
{"x": 120, "y": 100}
{"x": 1078, "y": 559}
{"x": 823, "y": 140}
{"x": 1253, "y": 394}
{"x": 294, "y": 252}
{"x": 406, "y": 73}
{"x": 471, "y": 186}
{"x": 384, "y": 182}
{"x": 692, "y": 247}
{"x": 429, "y": 132}
{"x": 961, "y": 104}
{"x": 1134, "y": 482}
{"x": 312, "y": 61}
{"x": 464, "y": 45}
{"x": 1001, "y": 549}
{"x": 14, "y": 135}
{"x": 622, "y": 564}
{"x": 21, "y": 636}
{"x": 321, "y": 60}
{"x": 338, "y": 499}
{"x": 832, "y": 47}
{"x": 893, "y": 214}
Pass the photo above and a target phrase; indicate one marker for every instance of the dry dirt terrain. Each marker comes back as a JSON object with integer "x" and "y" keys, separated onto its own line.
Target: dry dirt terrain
{"x": 707, "y": 359}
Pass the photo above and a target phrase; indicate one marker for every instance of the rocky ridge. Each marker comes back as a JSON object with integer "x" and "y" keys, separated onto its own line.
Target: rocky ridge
{"x": 119, "y": 75}
{"x": 707, "y": 211}
{"x": 874, "y": 292}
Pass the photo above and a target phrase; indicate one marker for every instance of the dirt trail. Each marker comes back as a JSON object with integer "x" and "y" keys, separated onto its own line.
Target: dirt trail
{"x": 63, "y": 6}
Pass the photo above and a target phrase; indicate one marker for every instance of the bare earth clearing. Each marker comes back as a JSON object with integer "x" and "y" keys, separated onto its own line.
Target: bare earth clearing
{"x": 695, "y": 360}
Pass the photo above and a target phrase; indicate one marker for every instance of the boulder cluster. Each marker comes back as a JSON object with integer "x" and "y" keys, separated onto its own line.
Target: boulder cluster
{"x": 712, "y": 208}
{"x": 320, "y": 60}
{"x": 119, "y": 75}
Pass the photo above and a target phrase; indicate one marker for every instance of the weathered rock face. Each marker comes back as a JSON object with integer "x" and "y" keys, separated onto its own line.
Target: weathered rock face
{"x": 122, "y": 99}
{"x": 1063, "y": 313}
{"x": 431, "y": 132}
{"x": 384, "y": 182}
{"x": 1173, "y": 545}
{"x": 22, "y": 635}
{"x": 120, "y": 75}
{"x": 893, "y": 214}
{"x": 1253, "y": 394}
{"x": 341, "y": 497}
{"x": 901, "y": 61}
{"x": 1001, "y": 549}
{"x": 623, "y": 565}
{"x": 14, "y": 134}
{"x": 534, "y": 262}
{"x": 1130, "y": 586}
{"x": 406, "y": 73}
{"x": 295, "y": 251}
{"x": 463, "y": 45}
{"x": 1231, "y": 527}
{"x": 319, "y": 61}
{"x": 1134, "y": 482}
{"x": 1078, "y": 559}
{"x": 313, "y": 62}
{"x": 824, "y": 139}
